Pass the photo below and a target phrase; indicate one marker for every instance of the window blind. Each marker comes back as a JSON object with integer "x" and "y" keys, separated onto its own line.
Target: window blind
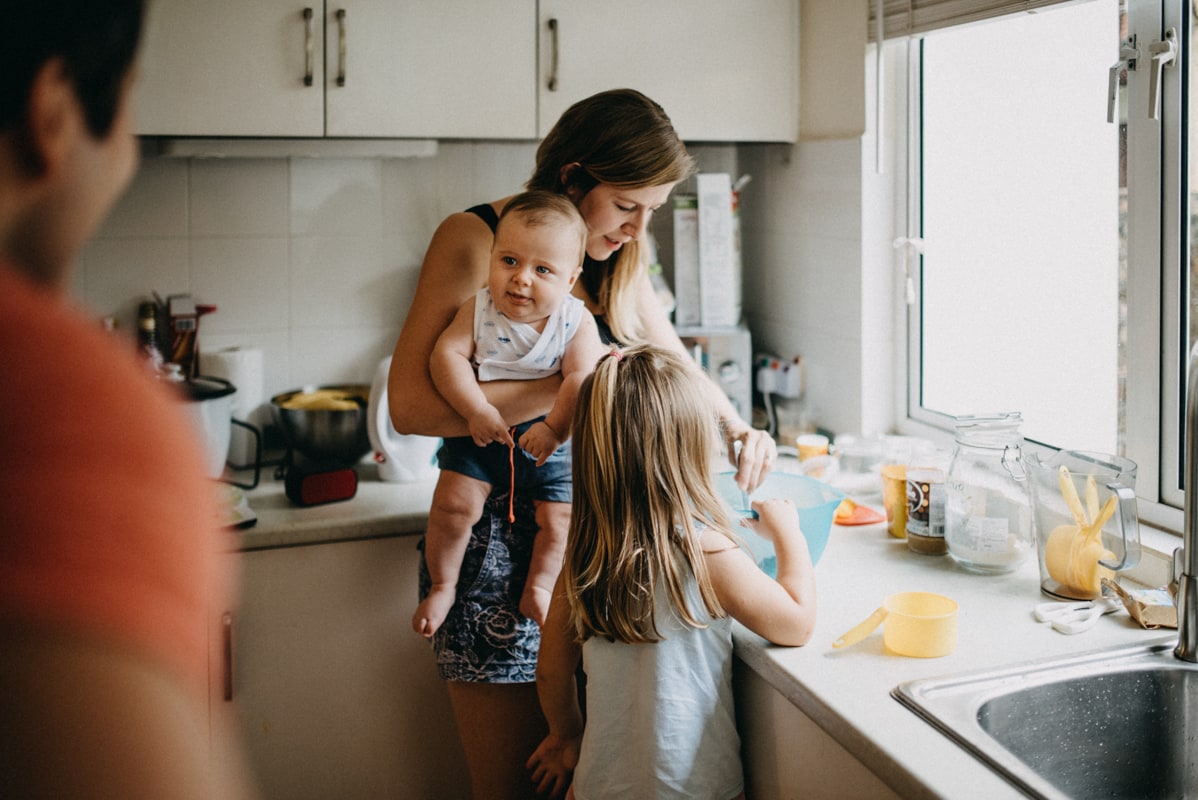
{"x": 904, "y": 17}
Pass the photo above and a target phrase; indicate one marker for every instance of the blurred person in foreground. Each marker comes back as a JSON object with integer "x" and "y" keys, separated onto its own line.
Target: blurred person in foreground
{"x": 109, "y": 532}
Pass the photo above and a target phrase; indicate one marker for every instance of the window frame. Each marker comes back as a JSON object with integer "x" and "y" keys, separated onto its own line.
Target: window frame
{"x": 1158, "y": 319}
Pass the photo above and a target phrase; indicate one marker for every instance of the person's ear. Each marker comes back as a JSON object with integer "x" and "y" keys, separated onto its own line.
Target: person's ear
{"x": 53, "y": 119}
{"x": 568, "y": 182}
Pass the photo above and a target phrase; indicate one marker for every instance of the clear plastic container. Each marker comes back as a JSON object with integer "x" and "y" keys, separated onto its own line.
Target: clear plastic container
{"x": 988, "y": 525}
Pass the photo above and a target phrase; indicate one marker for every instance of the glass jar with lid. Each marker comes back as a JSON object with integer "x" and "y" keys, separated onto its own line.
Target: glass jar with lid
{"x": 988, "y": 525}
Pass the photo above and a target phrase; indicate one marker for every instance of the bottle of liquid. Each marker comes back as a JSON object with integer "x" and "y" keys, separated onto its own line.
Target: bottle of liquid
{"x": 988, "y": 517}
{"x": 147, "y": 337}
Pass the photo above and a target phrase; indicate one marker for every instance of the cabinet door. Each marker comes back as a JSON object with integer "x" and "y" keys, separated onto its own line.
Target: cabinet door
{"x": 443, "y": 68}
{"x": 337, "y": 696}
{"x": 231, "y": 68}
{"x": 722, "y": 71}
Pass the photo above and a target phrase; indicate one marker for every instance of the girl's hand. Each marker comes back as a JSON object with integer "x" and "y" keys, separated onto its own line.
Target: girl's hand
{"x": 775, "y": 517}
{"x": 758, "y": 454}
{"x": 552, "y": 764}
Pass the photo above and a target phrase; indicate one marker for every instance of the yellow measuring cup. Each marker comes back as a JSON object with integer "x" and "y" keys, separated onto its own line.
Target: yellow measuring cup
{"x": 918, "y": 624}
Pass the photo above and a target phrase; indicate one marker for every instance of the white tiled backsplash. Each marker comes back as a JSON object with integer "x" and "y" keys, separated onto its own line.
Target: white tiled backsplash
{"x": 312, "y": 260}
{"x": 315, "y": 260}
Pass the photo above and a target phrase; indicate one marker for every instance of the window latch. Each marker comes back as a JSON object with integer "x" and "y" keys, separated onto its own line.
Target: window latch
{"x": 1163, "y": 54}
{"x": 1129, "y": 53}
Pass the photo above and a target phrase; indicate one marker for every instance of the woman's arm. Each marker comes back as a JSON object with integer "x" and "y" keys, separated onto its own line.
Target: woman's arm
{"x": 757, "y": 449}
{"x": 781, "y": 610}
{"x": 454, "y": 268}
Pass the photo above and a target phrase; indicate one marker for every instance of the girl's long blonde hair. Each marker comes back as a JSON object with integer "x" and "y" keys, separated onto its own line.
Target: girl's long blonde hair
{"x": 645, "y": 438}
{"x": 624, "y": 139}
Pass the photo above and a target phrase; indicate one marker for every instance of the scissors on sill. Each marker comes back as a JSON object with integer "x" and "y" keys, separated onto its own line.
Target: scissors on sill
{"x": 1075, "y": 617}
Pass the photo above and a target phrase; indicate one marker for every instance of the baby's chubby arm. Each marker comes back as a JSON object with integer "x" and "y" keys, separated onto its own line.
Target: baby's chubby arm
{"x": 453, "y": 375}
{"x": 781, "y": 610}
{"x": 578, "y": 361}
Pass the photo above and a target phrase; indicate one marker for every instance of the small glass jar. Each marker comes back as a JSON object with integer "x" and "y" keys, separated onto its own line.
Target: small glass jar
{"x": 988, "y": 526}
{"x": 925, "y": 510}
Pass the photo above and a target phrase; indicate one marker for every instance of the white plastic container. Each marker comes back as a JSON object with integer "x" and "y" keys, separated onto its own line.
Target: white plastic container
{"x": 401, "y": 458}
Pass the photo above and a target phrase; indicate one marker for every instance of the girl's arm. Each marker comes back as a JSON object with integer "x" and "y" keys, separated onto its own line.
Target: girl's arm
{"x": 552, "y": 764}
{"x": 781, "y": 610}
{"x": 758, "y": 451}
{"x": 454, "y": 268}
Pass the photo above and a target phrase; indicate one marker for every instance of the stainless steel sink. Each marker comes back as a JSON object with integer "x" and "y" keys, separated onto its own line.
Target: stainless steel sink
{"x": 1113, "y": 723}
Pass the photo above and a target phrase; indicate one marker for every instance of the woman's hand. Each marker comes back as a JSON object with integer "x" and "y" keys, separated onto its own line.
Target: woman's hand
{"x": 758, "y": 454}
{"x": 552, "y": 764}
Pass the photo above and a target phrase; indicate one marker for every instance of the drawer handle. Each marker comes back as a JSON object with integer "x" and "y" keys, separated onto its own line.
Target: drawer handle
{"x": 226, "y": 633}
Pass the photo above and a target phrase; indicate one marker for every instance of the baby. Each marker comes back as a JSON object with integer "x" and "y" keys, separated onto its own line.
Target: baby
{"x": 525, "y": 324}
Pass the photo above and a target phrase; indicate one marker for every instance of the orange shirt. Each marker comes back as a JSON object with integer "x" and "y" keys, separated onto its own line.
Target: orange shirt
{"x": 108, "y": 527}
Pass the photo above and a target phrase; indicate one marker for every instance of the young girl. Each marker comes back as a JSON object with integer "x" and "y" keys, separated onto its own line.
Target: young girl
{"x": 653, "y": 578}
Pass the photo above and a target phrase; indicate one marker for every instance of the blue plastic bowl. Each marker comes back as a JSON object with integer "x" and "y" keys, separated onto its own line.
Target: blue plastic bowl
{"x": 815, "y": 500}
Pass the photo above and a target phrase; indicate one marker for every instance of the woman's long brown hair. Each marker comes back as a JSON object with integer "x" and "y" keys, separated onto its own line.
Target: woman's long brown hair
{"x": 624, "y": 139}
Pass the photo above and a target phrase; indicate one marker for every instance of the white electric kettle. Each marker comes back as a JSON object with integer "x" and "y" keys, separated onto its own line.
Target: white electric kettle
{"x": 401, "y": 458}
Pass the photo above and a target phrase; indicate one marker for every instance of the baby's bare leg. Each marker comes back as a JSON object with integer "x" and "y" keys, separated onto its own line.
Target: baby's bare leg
{"x": 457, "y": 504}
{"x": 548, "y": 550}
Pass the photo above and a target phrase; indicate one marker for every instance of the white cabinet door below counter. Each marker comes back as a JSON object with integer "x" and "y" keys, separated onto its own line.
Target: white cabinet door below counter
{"x": 337, "y": 696}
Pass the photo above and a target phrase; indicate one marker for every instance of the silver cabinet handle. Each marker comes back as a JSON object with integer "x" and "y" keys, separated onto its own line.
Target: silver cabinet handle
{"x": 226, "y": 633}
{"x": 552, "y": 83}
{"x": 308, "y": 52}
{"x": 1163, "y": 54}
{"x": 341, "y": 47}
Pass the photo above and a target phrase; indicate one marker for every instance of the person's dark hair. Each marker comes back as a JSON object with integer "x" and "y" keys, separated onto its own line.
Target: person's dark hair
{"x": 96, "y": 40}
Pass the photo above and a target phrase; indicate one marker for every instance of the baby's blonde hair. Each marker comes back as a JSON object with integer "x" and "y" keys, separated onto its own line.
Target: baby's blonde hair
{"x": 539, "y": 207}
{"x": 646, "y": 435}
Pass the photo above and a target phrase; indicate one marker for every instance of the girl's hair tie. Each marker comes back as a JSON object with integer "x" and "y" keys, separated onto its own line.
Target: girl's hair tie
{"x": 616, "y": 354}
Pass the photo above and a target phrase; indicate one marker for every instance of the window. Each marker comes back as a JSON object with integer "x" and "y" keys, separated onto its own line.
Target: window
{"x": 1050, "y": 256}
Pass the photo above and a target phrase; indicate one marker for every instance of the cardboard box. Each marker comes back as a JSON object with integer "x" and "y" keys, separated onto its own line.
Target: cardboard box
{"x": 719, "y": 251}
{"x": 686, "y": 260}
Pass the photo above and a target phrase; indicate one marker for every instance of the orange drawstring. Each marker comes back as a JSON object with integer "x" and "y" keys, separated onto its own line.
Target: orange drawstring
{"x": 511, "y": 493}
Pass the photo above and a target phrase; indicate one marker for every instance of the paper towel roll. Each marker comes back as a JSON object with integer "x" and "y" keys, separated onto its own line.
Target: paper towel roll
{"x": 242, "y": 367}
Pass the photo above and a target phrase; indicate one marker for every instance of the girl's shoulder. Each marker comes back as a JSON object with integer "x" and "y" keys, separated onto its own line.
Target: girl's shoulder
{"x": 713, "y": 539}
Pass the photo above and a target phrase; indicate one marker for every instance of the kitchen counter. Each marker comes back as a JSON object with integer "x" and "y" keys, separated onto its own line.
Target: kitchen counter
{"x": 376, "y": 509}
{"x": 845, "y": 692}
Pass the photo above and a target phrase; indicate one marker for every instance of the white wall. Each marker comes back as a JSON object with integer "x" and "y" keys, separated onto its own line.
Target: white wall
{"x": 315, "y": 260}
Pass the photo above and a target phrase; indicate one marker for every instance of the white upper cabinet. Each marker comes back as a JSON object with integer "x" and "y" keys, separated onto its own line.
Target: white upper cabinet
{"x": 722, "y": 71}
{"x": 436, "y": 68}
{"x": 355, "y": 68}
{"x": 463, "y": 69}
{"x": 231, "y": 68}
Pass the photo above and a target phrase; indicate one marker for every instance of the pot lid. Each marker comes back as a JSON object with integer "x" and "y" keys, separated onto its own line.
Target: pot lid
{"x": 203, "y": 387}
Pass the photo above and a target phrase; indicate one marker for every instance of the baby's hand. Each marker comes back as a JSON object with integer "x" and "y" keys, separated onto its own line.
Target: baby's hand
{"x": 488, "y": 426}
{"x": 539, "y": 441}
{"x": 775, "y": 516}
